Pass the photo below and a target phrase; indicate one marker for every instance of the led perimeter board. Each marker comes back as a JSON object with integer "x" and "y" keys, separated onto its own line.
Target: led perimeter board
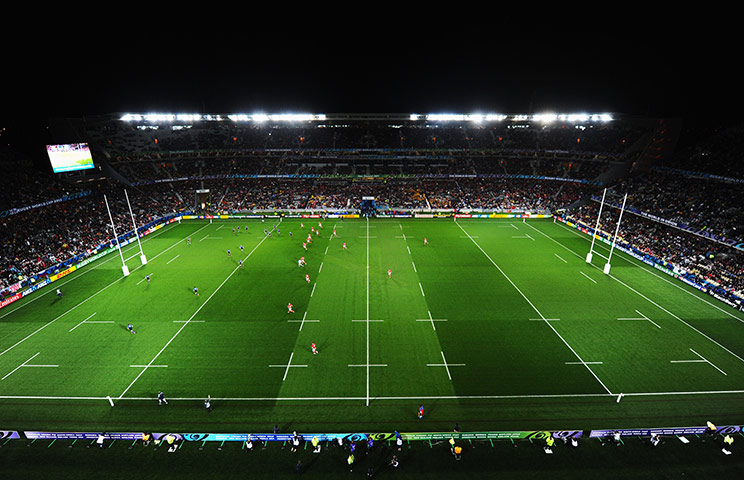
{"x": 70, "y": 157}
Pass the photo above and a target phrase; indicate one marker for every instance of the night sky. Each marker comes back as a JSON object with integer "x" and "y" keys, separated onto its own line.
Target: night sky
{"x": 657, "y": 75}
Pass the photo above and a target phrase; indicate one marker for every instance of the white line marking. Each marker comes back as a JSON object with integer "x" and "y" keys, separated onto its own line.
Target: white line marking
{"x": 528, "y": 236}
{"x": 95, "y": 265}
{"x": 432, "y": 320}
{"x": 645, "y": 298}
{"x": 544, "y": 319}
{"x": 372, "y": 365}
{"x": 674, "y": 284}
{"x": 313, "y": 292}
{"x": 642, "y": 317}
{"x": 560, "y": 258}
{"x": 205, "y": 237}
{"x": 514, "y": 226}
{"x": 302, "y": 323}
{"x": 409, "y": 250}
{"x": 326, "y": 251}
{"x": 129, "y": 258}
{"x": 151, "y": 366}
{"x": 306, "y": 321}
{"x": 40, "y": 366}
{"x": 145, "y": 278}
{"x": 367, "y": 310}
{"x": 100, "y": 321}
{"x": 214, "y": 238}
{"x": 517, "y": 236}
{"x": 445, "y": 364}
{"x": 367, "y": 321}
{"x": 579, "y": 363}
{"x": 184, "y": 321}
{"x": 321, "y": 267}
{"x": 414, "y": 267}
{"x": 536, "y": 310}
{"x": 73, "y": 308}
{"x": 687, "y": 361}
{"x": 19, "y": 366}
{"x": 422, "y": 289}
{"x": 169, "y": 261}
{"x": 418, "y": 397}
{"x": 587, "y": 276}
{"x": 288, "y": 364}
{"x": 190, "y": 318}
{"x": 73, "y": 328}
{"x": 708, "y": 362}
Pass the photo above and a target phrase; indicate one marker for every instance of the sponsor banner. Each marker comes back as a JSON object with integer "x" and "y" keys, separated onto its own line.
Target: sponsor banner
{"x": 11, "y": 299}
{"x": 646, "y": 432}
{"x": 423, "y": 215}
{"x": 42, "y": 283}
{"x": 286, "y": 437}
{"x": 62, "y": 273}
{"x": 462, "y": 215}
{"x": 505, "y": 435}
{"x": 14, "y": 288}
{"x": 95, "y": 257}
{"x": 8, "y": 434}
{"x": 82, "y": 435}
{"x": 73, "y": 196}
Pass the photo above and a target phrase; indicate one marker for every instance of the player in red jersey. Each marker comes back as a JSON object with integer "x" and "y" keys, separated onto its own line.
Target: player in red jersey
{"x": 289, "y": 308}
{"x": 426, "y": 242}
{"x": 315, "y": 349}
{"x": 344, "y": 245}
{"x": 307, "y": 278}
{"x": 390, "y": 273}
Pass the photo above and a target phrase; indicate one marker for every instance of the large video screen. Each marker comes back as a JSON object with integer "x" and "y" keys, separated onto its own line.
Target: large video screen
{"x": 70, "y": 157}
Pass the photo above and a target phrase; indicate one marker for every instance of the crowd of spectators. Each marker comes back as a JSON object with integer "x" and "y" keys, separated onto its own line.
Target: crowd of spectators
{"x": 33, "y": 240}
{"x": 329, "y": 167}
{"x": 702, "y": 204}
{"x": 710, "y": 262}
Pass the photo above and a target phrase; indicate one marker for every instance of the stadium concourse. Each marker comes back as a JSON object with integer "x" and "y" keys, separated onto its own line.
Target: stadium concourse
{"x": 685, "y": 205}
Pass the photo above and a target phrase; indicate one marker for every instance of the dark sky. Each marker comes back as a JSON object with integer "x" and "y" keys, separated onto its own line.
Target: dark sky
{"x": 658, "y": 75}
{"x": 400, "y": 80}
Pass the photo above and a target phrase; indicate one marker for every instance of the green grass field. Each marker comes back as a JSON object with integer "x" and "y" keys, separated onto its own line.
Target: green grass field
{"x": 497, "y": 325}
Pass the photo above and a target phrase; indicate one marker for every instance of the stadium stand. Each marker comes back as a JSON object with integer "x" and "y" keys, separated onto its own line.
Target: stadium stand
{"x": 685, "y": 207}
